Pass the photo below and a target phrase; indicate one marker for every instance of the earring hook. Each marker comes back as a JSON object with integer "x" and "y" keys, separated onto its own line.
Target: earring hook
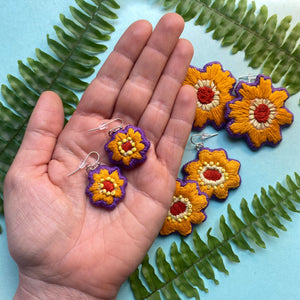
{"x": 203, "y": 136}
{"x": 84, "y": 164}
{"x": 249, "y": 78}
{"x": 105, "y": 126}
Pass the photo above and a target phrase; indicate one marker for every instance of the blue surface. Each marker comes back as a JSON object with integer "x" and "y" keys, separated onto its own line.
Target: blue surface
{"x": 272, "y": 273}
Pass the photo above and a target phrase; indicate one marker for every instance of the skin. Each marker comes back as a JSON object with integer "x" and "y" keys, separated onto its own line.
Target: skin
{"x": 66, "y": 248}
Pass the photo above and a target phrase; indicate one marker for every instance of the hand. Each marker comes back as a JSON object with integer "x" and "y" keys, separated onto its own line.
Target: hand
{"x": 65, "y": 247}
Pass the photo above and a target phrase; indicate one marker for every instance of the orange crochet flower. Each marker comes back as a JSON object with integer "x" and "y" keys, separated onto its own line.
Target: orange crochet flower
{"x": 214, "y": 172}
{"x": 213, "y": 86}
{"x": 258, "y": 113}
{"x": 186, "y": 208}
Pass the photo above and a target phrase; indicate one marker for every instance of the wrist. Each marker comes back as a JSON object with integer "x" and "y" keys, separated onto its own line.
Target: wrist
{"x": 36, "y": 289}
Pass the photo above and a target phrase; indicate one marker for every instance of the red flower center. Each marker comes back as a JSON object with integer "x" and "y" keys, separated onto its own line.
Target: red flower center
{"x": 205, "y": 95}
{"x": 178, "y": 208}
{"x": 212, "y": 174}
{"x": 261, "y": 113}
{"x": 108, "y": 185}
{"x": 126, "y": 146}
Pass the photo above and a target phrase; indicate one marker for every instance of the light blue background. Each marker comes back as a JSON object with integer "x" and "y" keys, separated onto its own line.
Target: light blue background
{"x": 267, "y": 274}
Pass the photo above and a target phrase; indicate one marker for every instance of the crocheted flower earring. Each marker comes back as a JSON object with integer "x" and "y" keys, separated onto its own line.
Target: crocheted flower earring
{"x": 187, "y": 208}
{"x": 127, "y": 147}
{"x": 215, "y": 173}
{"x": 106, "y": 185}
{"x": 213, "y": 86}
{"x": 258, "y": 113}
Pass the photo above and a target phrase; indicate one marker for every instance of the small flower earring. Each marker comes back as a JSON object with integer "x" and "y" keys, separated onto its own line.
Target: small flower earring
{"x": 106, "y": 187}
{"x": 212, "y": 169}
{"x": 258, "y": 113}
{"x": 187, "y": 208}
{"x": 128, "y": 147}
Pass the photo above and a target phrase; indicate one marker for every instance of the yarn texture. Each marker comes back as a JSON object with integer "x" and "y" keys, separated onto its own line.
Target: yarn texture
{"x": 258, "y": 113}
{"x": 213, "y": 86}
{"x": 214, "y": 172}
{"x": 187, "y": 208}
{"x": 128, "y": 147}
{"x": 106, "y": 187}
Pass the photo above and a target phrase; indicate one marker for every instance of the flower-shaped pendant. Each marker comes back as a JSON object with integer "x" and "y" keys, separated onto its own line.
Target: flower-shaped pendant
{"x": 214, "y": 172}
{"x": 106, "y": 187}
{"x": 128, "y": 147}
{"x": 187, "y": 208}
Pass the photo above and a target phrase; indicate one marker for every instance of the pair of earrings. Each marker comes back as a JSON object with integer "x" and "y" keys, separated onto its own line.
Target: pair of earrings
{"x": 211, "y": 175}
{"x": 253, "y": 109}
{"x": 127, "y": 148}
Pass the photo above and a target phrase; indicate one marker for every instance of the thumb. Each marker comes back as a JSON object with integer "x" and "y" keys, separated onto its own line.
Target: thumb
{"x": 44, "y": 127}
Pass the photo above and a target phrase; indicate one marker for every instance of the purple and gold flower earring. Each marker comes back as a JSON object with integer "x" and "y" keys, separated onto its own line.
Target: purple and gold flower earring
{"x": 213, "y": 86}
{"x": 214, "y": 171}
{"x": 258, "y": 113}
{"x": 128, "y": 147}
{"x": 106, "y": 185}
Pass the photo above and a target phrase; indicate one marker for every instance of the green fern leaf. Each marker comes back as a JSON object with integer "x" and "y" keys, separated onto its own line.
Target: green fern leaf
{"x": 208, "y": 255}
{"x": 80, "y": 40}
{"x": 261, "y": 211}
{"x": 191, "y": 273}
{"x": 203, "y": 265}
{"x": 151, "y": 278}
{"x": 181, "y": 281}
{"x": 264, "y": 43}
{"x": 237, "y": 239}
{"x": 251, "y": 219}
{"x": 224, "y": 248}
{"x": 137, "y": 286}
{"x": 249, "y": 230}
{"x": 168, "y": 275}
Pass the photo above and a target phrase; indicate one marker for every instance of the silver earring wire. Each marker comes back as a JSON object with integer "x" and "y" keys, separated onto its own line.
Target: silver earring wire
{"x": 249, "y": 78}
{"x": 105, "y": 126}
{"x": 84, "y": 164}
{"x": 203, "y": 136}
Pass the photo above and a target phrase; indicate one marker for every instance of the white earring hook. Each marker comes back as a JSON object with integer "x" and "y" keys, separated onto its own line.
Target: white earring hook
{"x": 84, "y": 164}
{"x": 105, "y": 126}
{"x": 249, "y": 78}
{"x": 203, "y": 136}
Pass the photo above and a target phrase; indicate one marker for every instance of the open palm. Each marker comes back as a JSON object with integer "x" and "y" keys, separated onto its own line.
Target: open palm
{"x": 62, "y": 244}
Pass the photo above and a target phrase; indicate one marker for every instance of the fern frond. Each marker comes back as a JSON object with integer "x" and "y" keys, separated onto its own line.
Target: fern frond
{"x": 265, "y": 43}
{"x": 189, "y": 268}
{"x": 79, "y": 41}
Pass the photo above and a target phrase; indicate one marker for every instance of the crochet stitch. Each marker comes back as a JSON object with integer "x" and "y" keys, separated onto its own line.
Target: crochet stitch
{"x": 214, "y": 172}
{"x": 213, "y": 86}
{"x": 128, "y": 147}
{"x": 106, "y": 187}
{"x": 258, "y": 113}
{"x": 187, "y": 208}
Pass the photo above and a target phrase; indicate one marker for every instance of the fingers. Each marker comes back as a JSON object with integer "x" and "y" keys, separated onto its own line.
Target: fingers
{"x": 45, "y": 124}
{"x": 144, "y": 68}
{"x": 100, "y": 96}
{"x": 171, "y": 146}
{"x": 157, "y": 113}
{"x": 144, "y": 76}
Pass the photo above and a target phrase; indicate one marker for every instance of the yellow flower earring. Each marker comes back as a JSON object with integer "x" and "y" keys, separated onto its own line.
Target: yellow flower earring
{"x": 106, "y": 185}
{"x": 213, "y": 86}
{"x": 186, "y": 209}
{"x": 258, "y": 113}
{"x": 128, "y": 147}
{"x": 215, "y": 173}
